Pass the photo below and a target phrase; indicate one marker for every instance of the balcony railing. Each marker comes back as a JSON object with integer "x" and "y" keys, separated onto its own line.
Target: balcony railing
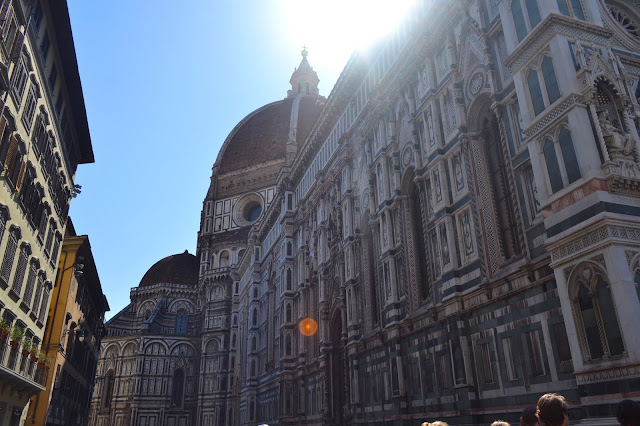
{"x": 19, "y": 365}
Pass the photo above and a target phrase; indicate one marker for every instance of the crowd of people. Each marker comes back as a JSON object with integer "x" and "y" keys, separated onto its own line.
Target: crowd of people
{"x": 552, "y": 410}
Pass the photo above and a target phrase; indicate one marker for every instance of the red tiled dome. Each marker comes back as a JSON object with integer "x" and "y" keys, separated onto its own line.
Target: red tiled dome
{"x": 262, "y": 135}
{"x": 176, "y": 269}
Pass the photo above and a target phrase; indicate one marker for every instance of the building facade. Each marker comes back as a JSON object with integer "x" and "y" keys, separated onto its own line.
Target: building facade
{"x": 44, "y": 135}
{"x": 72, "y": 336}
{"x": 459, "y": 218}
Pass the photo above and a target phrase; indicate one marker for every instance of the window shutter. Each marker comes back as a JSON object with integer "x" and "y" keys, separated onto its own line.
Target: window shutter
{"x": 17, "y": 47}
{"x": 11, "y": 153}
{"x": 20, "y": 180}
{"x": 3, "y": 125}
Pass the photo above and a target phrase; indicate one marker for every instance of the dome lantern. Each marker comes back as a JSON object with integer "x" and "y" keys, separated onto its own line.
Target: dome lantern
{"x": 304, "y": 79}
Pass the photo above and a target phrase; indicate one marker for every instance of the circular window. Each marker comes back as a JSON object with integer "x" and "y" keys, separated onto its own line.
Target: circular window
{"x": 247, "y": 209}
{"x": 253, "y": 212}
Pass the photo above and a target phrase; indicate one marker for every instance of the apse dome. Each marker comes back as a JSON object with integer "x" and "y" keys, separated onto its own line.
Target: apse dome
{"x": 176, "y": 269}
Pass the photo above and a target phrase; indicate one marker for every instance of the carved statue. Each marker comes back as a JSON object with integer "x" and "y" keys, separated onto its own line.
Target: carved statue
{"x": 616, "y": 140}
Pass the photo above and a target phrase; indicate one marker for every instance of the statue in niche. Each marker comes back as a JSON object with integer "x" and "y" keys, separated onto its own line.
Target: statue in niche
{"x": 616, "y": 140}
{"x": 432, "y": 133}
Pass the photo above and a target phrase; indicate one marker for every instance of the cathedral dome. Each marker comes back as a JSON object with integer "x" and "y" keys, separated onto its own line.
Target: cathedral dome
{"x": 277, "y": 130}
{"x": 262, "y": 136}
{"x": 176, "y": 269}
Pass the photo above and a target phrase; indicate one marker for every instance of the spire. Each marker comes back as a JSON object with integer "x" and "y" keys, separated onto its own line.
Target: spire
{"x": 304, "y": 79}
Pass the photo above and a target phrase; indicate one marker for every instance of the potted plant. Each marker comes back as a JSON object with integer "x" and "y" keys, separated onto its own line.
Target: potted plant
{"x": 47, "y": 362}
{"x": 26, "y": 347}
{"x": 5, "y": 328}
{"x": 34, "y": 352}
{"x": 42, "y": 357}
{"x": 17, "y": 334}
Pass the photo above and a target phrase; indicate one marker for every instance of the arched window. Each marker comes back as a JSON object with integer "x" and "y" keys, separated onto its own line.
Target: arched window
{"x": 380, "y": 183}
{"x": 224, "y": 259}
{"x": 501, "y": 190}
{"x": 10, "y": 253}
{"x": 289, "y": 279}
{"x": 21, "y": 269}
{"x": 566, "y": 156}
{"x": 254, "y": 343}
{"x": 108, "y": 389}
{"x": 253, "y": 368}
{"x": 569, "y": 155}
{"x": 535, "y": 92}
{"x": 287, "y": 345}
{"x": 417, "y": 215}
{"x": 254, "y": 317}
{"x": 571, "y": 8}
{"x": 371, "y": 259}
{"x": 177, "y": 391}
{"x": 289, "y": 249}
{"x": 181, "y": 322}
{"x": 525, "y": 22}
{"x": 34, "y": 265}
{"x": 595, "y": 314}
{"x": 288, "y": 312}
{"x": 233, "y": 340}
{"x": 553, "y": 169}
{"x": 549, "y": 75}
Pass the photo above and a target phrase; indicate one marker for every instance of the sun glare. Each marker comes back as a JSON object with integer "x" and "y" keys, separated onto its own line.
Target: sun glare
{"x": 333, "y": 29}
{"x": 308, "y": 327}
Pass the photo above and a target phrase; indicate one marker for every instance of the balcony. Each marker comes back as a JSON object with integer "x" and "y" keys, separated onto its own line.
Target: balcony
{"x": 21, "y": 370}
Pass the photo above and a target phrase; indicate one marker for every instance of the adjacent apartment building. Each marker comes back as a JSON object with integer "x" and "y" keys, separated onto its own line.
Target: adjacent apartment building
{"x": 459, "y": 217}
{"x": 44, "y": 135}
{"x": 72, "y": 336}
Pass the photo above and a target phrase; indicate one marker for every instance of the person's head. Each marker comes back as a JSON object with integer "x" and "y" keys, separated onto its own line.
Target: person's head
{"x": 500, "y": 423}
{"x": 528, "y": 417}
{"x": 425, "y": 424}
{"x": 552, "y": 410}
{"x": 628, "y": 413}
{"x": 439, "y": 423}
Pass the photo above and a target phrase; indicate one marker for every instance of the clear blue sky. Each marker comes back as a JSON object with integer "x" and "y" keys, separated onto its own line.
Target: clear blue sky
{"x": 164, "y": 83}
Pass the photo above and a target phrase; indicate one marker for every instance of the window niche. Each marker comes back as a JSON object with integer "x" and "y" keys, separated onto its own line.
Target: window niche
{"x": 543, "y": 85}
{"x": 526, "y": 16}
{"x": 591, "y": 301}
{"x": 557, "y": 150}
{"x": 177, "y": 391}
{"x": 181, "y": 322}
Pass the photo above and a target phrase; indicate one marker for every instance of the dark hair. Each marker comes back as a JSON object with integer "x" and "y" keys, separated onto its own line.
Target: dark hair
{"x": 551, "y": 409}
{"x": 529, "y": 416}
{"x": 628, "y": 413}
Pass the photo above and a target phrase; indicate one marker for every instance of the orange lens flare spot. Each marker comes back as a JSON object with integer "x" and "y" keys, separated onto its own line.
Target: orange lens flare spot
{"x": 308, "y": 327}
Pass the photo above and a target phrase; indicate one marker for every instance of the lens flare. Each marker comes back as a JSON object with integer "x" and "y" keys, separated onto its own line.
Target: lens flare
{"x": 308, "y": 327}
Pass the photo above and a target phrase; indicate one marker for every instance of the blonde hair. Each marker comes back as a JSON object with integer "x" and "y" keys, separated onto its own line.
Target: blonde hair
{"x": 500, "y": 423}
{"x": 439, "y": 423}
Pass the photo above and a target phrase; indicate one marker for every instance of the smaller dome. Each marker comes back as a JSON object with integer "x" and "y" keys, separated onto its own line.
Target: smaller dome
{"x": 177, "y": 269}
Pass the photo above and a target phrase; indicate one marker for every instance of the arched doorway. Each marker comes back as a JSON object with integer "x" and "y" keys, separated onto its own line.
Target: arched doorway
{"x": 338, "y": 396}
{"x": 494, "y": 186}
